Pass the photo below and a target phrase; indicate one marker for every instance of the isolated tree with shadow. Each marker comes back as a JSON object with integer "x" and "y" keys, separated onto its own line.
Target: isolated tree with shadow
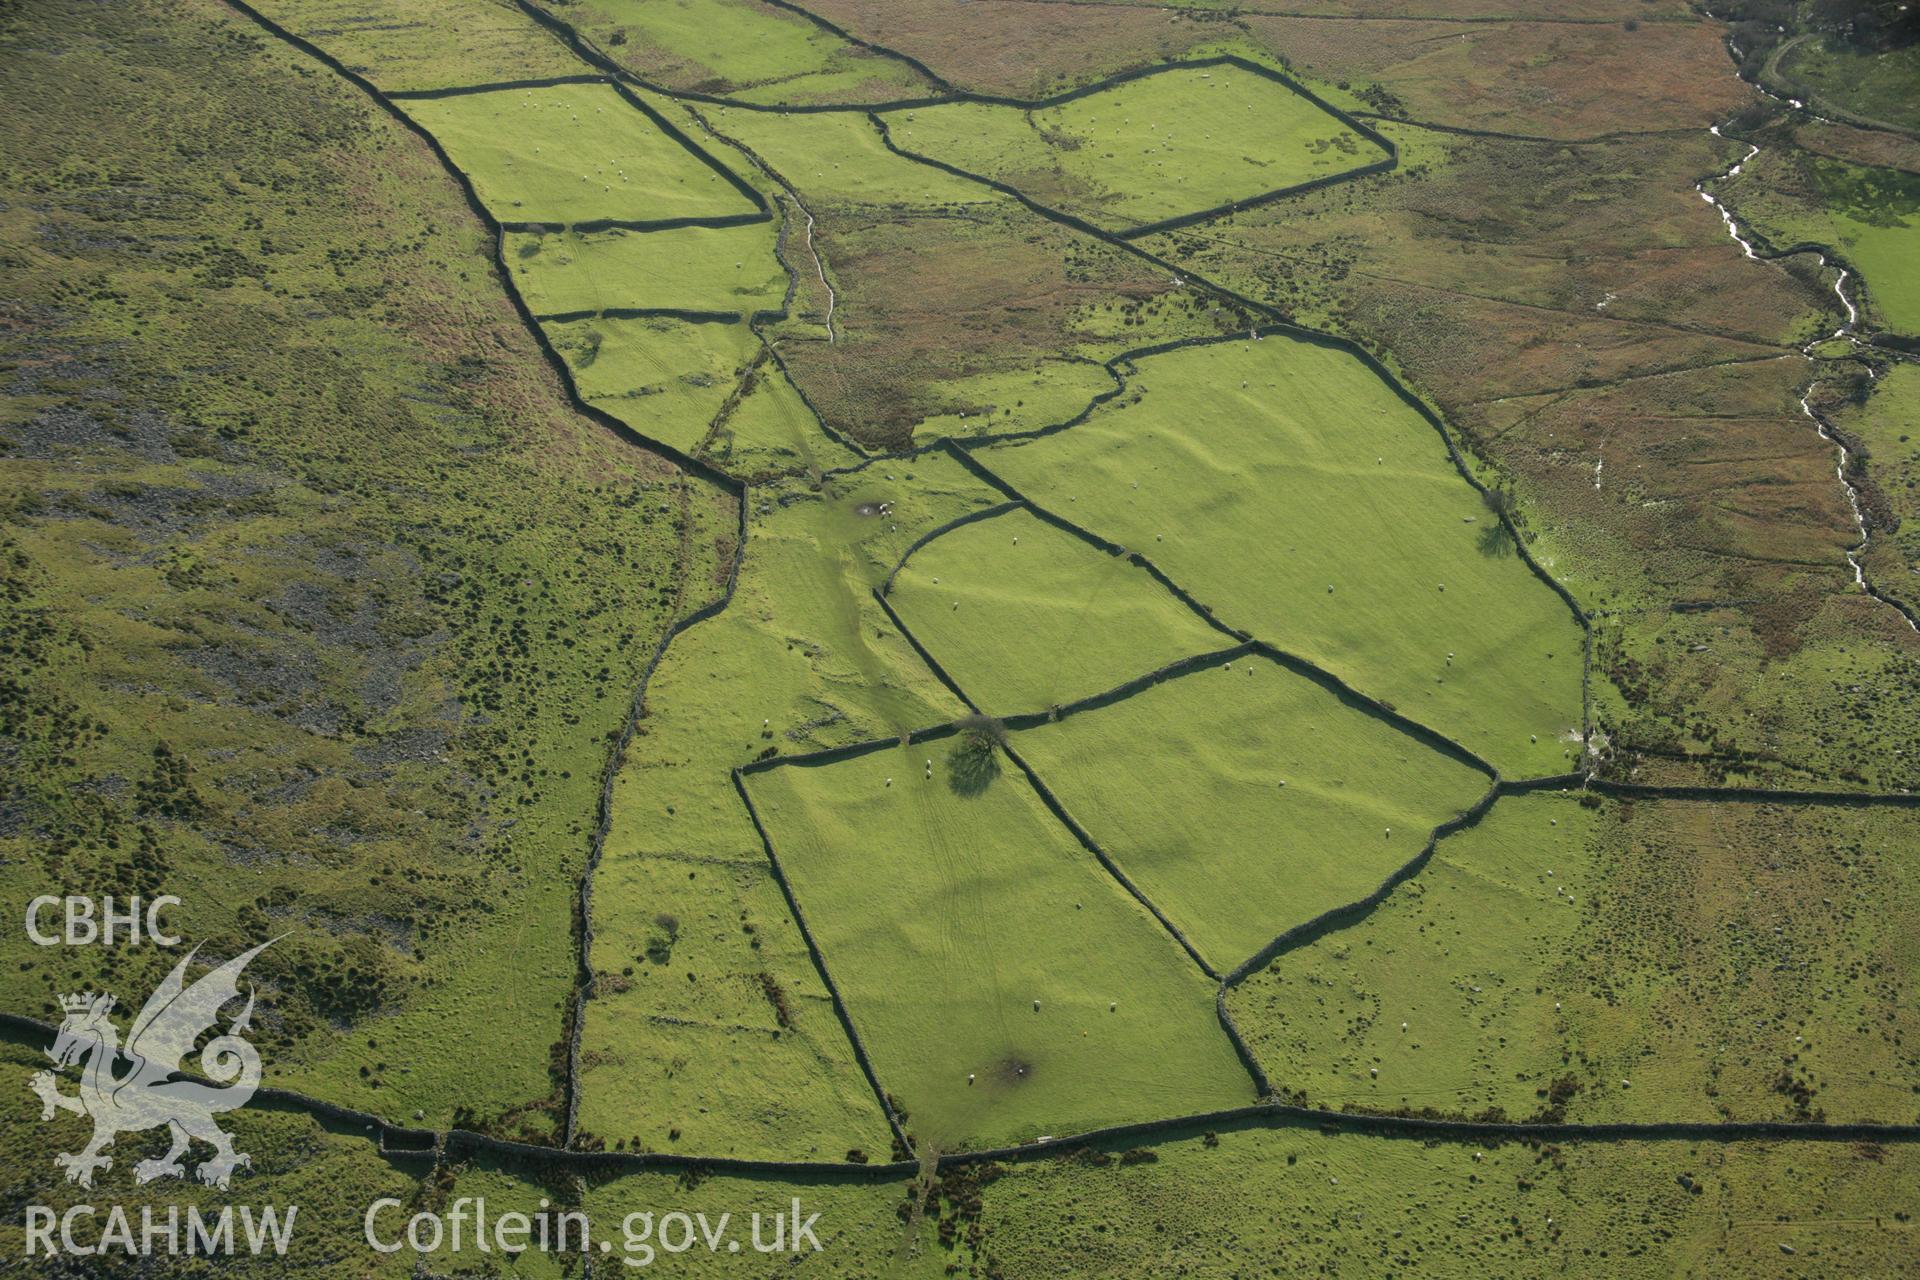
{"x": 1496, "y": 539}
{"x": 974, "y": 761}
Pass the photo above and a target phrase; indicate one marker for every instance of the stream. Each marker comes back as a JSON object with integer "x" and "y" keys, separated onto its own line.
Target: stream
{"x": 1845, "y": 333}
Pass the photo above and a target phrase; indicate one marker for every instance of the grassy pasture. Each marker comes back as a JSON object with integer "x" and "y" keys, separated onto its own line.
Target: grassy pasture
{"x": 771, "y": 429}
{"x": 1020, "y": 399}
{"x": 1026, "y": 616}
{"x": 742, "y": 49}
{"x": 384, "y": 674}
{"x": 331, "y": 1173}
{"x": 1887, "y": 427}
{"x": 986, "y": 310}
{"x": 1306, "y": 1202}
{"x": 970, "y": 934}
{"x": 1166, "y": 144}
{"x": 449, "y": 44}
{"x": 1243, "y": 799}
{"x": 1871, "y": 216}
{"x": 1662, "y": 960}
{"x": 838, "y": 158}
{"x": 573, "y": 153}
{"x": 687, "y": 917}
{"x": 1711, "y": 695}
{"x": 1291, "y": 491}
{"x": 689, "y": 1050}
{"x": 664, "y": 377}
{"x": 1876, "y": 86}
{"x": 690, "y": 269}
{"x": 1309, "y": 1202}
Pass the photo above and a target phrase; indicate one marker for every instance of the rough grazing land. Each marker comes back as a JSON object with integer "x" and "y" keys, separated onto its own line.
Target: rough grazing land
{"x": 832, "y": 600}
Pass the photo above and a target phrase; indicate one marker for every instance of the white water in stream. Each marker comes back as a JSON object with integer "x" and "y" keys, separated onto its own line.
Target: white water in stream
{"x": 819, "y": 266}
{"x": 1844, "y": 332}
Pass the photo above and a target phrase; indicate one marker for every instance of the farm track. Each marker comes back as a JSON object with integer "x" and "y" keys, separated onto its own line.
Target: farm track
{"x": 403, "y": 1141}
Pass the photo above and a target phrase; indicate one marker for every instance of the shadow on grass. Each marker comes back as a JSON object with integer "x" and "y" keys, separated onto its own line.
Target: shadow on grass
{"x": 973, "y": 763}
{"x": 1496, "y": 540}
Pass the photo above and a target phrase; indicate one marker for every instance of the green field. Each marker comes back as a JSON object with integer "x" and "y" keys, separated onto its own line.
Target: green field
{"x": 1304, "y": 1202}
{"x": 1887, "y": 430}
{"x": 971, "y": 936}
{"x": 742, "y": 49}
{"x": 1708, "y": 697}
{"x": 1287, "y": 488}
{"x": 770, "y": 428}
{"x": 838, "y": 158}
{"x": 664, "y": 377}
{"x": 687, "y": 918}
{"x": 688, "y": 269}
{"x": 1051, "y": 391}
{"x": 321, "y": 1177}
{"x": 1172, "y": 143}
{"x": 1243, "y": 799}
{"x": 1656, "y": 960}
{"x": 1026, "y": 616}
{"x": 1875, "y": 216}
{"x": 325, "y": 608}
{"x": 327, "y": 643}
{"x": 1870, "y": 216}
{"x": 574, "y": 153}
{"x": 1875, "y": 86}
{"x": 1308, "y": 1202}
{"x": 449, "y": 44}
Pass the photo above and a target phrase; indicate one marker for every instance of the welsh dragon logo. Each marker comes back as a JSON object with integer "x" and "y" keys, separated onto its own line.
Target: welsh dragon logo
{"x": 135, "y": 1088}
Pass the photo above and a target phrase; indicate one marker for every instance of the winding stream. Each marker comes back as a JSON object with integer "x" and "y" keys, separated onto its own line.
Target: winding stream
{"x": 1846, "y": 332}
{"x": 819, "y": 266}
